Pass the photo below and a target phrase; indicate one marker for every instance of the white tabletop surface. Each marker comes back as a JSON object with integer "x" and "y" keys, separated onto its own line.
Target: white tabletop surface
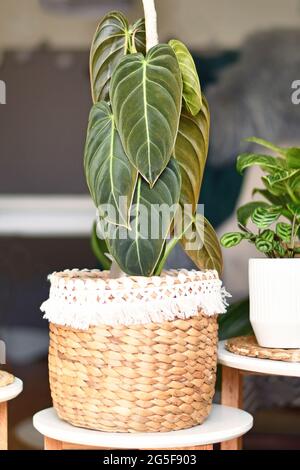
{"x": 222, "y": 424}
{"x": 252, "y": 364}
{"x": 11, "y": 391}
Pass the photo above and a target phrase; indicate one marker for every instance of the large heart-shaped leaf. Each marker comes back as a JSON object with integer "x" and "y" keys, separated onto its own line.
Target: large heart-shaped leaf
{"x": 146, "y": 94}
{"x": 113, "y": 39}
{"x": 138, "y": 250}
{"x": 110, "y": 176}
{"x": 191, "y": 149}
{"x": 201, "y": 244}
{"x": 191, "y": 92}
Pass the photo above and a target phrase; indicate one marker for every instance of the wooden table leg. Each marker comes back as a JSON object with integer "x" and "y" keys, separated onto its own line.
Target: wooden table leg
{"x": 3, "y": 425}
{"x": 232, "y": 395}
{"x": 52, "y": 444}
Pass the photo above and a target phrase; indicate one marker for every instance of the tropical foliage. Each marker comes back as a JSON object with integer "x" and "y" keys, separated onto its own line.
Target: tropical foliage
{"x": 277, "y": 216}
{"x": 147, "y": 143}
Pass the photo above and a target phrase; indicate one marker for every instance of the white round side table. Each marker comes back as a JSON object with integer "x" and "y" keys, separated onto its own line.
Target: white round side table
{"x": 223, "y": 423}
{"x": 234, "y": 368}
{"x": 7, "y": 393}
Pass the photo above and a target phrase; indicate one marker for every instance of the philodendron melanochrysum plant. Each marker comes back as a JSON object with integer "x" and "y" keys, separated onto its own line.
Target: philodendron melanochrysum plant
{"x": 146, "y": 147}
{"x": 277, "y": 216}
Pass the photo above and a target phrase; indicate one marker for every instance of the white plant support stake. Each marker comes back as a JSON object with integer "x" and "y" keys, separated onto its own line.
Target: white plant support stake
{"x": 151, "y": 23}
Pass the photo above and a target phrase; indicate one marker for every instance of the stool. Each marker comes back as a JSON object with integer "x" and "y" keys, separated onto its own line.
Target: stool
{"x": 222, "y": 424}
{"x": 234, "y": 368}
{"x": 7, "y": 393}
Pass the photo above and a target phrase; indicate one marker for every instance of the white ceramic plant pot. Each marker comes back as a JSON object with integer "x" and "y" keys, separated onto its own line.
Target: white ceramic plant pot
{"x": 274, "y": 287}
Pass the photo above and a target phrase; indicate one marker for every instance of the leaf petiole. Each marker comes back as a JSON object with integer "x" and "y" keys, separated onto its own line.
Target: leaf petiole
{"x": 170, "y": 246}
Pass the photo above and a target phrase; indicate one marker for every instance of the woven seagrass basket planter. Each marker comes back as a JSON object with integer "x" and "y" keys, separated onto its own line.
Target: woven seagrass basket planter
{"x": 144, "y": 377}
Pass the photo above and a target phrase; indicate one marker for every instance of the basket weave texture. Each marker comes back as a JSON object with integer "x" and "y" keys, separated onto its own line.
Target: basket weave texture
{"x": 113, "y": 374}
{"x": 138, "y": 378}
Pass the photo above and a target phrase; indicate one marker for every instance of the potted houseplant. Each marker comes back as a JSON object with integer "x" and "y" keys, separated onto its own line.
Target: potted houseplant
{"x": 134, "y": 348}
{"x": 274, "y": 281}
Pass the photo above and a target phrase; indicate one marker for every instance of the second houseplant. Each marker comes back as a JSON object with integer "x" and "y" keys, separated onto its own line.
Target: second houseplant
{"x": 274, "y": 280}
{"x": 134, "y": 349}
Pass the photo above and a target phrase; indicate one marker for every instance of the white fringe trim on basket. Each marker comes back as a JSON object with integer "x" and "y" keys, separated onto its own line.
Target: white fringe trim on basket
{"x": 81, "y": 299}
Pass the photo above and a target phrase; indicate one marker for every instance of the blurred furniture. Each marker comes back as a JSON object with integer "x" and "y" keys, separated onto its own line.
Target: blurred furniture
{"x": 7, "y": 393}
{"x": 49, "y": 216}
{"x": 234, "y": 368}
{"x": 223, "y": 423}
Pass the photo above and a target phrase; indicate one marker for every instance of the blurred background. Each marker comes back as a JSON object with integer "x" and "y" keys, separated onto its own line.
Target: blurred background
{"x": 247, "y": 55}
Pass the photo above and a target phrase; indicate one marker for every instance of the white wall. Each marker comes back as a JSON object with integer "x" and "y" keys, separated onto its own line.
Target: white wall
{"x": 200, "y": 23}
{"x": 226, "y": 22}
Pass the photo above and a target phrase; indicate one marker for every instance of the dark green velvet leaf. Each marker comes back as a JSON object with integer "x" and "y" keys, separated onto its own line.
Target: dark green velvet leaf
{"x": 202, "y": 245}
{"x": 110, "y": 176}
{"x": 113, "y": 39}
{"x": 137, "y": 251}
{"x": 191, "y": 149}
{"x": 191, "y": 85}
{"x": 146, "y": 94}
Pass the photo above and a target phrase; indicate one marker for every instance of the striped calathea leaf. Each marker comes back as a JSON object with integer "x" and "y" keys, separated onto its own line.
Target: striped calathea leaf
{"x": 245, "y": 212}
{"x": 231, "y": 239}
{"x": 201, "y": 244}
{"x": 294, "y": 184}
{"x": 265, "y": 241}
{"x": 294, "y": 209}
{"x": 113, "y": 39}
{"x": 266, "y": 162}
{"x": 138, "y": 250}
{"x": 272, "y": 198}
{"x": 281, "y": 176}
{"x": 291, "y": 154}
{"x": 190, "y": 151}
{"x": 263, "y": 217}
{"x": 284, "y": 231}
{"x": 191, "y": 94}
{"x": 146, "y": 94}
{"x": 293, "y": 157}
{"x": 110, "y": 176}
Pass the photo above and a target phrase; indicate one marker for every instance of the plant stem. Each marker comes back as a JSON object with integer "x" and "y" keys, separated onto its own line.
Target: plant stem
{"x": 151, "y": 23}
{"x": 132, "y": 48}
{"x": 291, "y": 194}
{"x": 295, "y": 228}
{"x": 171, "y": 245}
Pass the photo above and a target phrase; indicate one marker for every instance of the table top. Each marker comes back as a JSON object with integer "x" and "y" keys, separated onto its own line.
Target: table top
{"x": 11, "y": 391}
{"x": 223, "y": 423}
{"x": 252, "y": 364}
